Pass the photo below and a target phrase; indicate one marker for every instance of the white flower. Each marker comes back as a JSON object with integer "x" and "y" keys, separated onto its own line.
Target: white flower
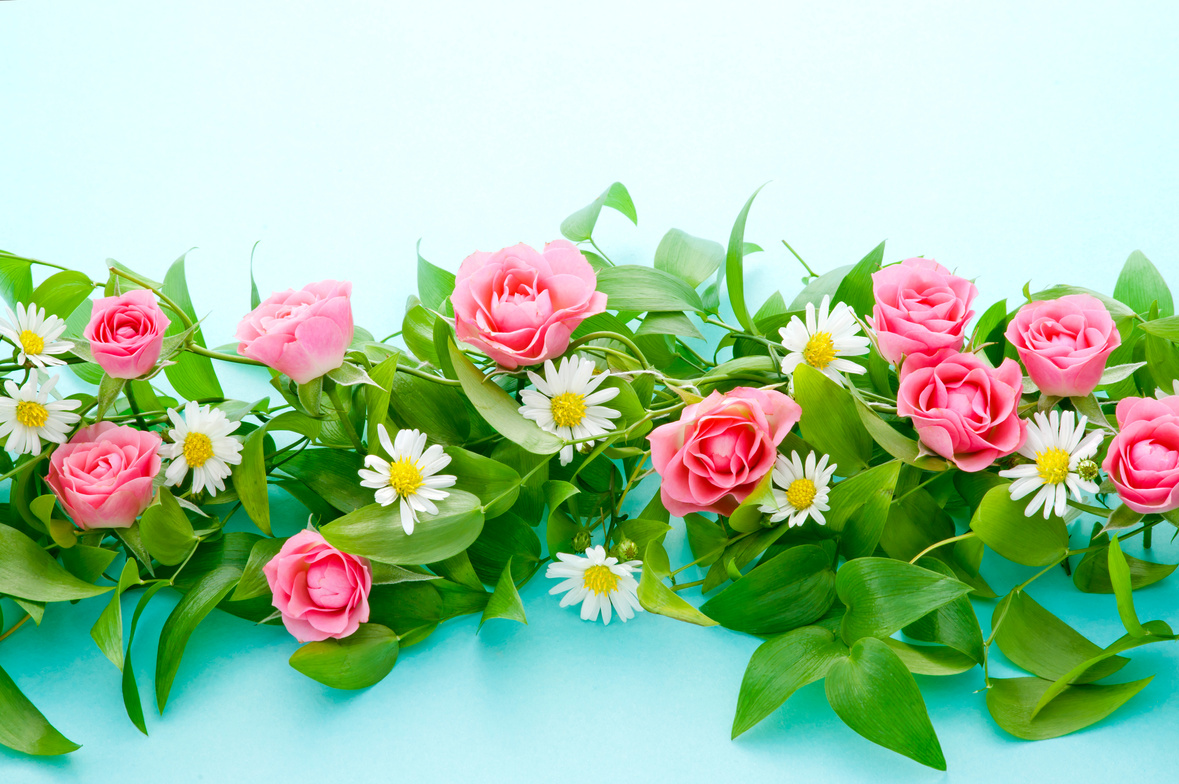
{"x": 410, "y": 475}
{"x": 35, "y": 335}
{"x": 201, "y": 441}
{"x": 566, "y": 404}
{"x": 1056, "y": 446}
{"x": 824, "y": 340}
{"x": 598, "y": 583}
{"x": 800, "y": 490}
{"x": 27, "y": 416}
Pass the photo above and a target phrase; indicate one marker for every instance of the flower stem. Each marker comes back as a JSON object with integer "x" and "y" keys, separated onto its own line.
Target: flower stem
{"x": 15, "y": 626}
{"x": 933, "y": 547}
{"x": 616, "y": 337}
{"x": 344, "y": 420}
{"x": 204, "y": 352}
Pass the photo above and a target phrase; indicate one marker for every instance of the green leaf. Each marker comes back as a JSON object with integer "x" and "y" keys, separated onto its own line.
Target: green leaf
{"x": 706, "y": 538}
{"x": 931, "y": 659}
{"x": 1032, "y": 541}
{"x": 734, "y": 268}
{"x": 1039, "y": 642}
{"x": 28, "y": 572}
{"x": 1140, "y": 284}
{"x": 1167, "y": 328}
{"x": 505, "y": 601}
{"x": 874, "y": 693}
{"x": 856, "y": 287}
{"x": 332, "y": 475}
{"x": 434, "y": 283}
{"x": 192, "y": 376}
{"x": 253, "y": 581}
{"x": 417, "y": 330}
{"x": 1119, "y": 577}
{"x": 167, "y": 534}
{"x": 790, "y": 590}
{"x": 629, "y": 287}
{"x": 860, "y": 506}
{"x": 61, "y": 293}
{"x": 350, "y": 375}
{"x": 85, "y": 562}
{"x": 1091, "y": 575}
{"x": 24, "y": 728}
{"x": 16, "y": 279}
{"x": 953, "y": 624}
{"x": 1012, "y": 703}
{"x": 492, "y": 481}
{"x": 826, "y": 284}
{"x": 107, "y": 631}
{"x": 829, "y": 421}
{"x": 311, "y": 395}
{"x": 255, "y": 297}
{"x": 355, "y": 662}
{"x": 580, "y": 225}
{"x": 781, "y": 666}
{"x": 691, "y": 259}
{"x": 249, "y": 478}
{"x": 108, "y": 392}
{"x": 500, "y": 410}
{"x": 132, "y": 702}
{"x": 1120, "y": 518}
{"x": 502, "y": 539}
{"x": 1116, "y": 309}
{"x": 656, "y": 597}
{"x": 375, "y": 531}
{"x": 883, "y": 595}
{"x": 897, "y": 445}
{"x": 192, "y": 608}
{"x": 377, "y": 400}
{"x": 671, "y": 323}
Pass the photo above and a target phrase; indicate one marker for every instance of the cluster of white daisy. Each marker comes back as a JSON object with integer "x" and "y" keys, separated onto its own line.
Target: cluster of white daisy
{"x": 1061, "y": 456}
{"x": 410, "y": 475}
{"x": 824, "y": 340}
{"x": 27, "y": 414}
{"x": 567, "y": 402}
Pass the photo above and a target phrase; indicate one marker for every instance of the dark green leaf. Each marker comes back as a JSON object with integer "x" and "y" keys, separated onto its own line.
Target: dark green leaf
{"x": 28, "y": 572}
{"x": 185, "y": 617}
{"x": 492, "y": 481}
{"x": 790, "y": 590}
{"x": 1039, "y": 642}
{"x": 856, "y": 287}
{"x": 253, "y": 581}
{"x": 332, "y": 474}
{"x": 167, "y": 534}
{"x": 355, "y": 662}
{"x": 1012, "y": 703}
{"x": 24, "y": 728}
{"x": 883, "y": 595}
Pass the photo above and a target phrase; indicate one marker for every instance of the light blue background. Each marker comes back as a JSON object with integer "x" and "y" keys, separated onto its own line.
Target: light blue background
{"x": 1008, "y": 142}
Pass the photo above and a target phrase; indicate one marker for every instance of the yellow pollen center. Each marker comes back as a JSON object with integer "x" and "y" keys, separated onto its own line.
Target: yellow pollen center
{"x": 404, "y": 477}
{"x": 600, "y": 579}
{"x": 197, "y": 449}
{"x": 31, "y": 414}
{"x": 801, "y": 493}
{"x": 1052, "y": 465}
{"x": 819, "y": 351}
{"x": 31, "y": 342}
{"x": 568, "y": 409}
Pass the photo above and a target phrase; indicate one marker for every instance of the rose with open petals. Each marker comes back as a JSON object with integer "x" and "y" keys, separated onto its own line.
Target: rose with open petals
{"x": 1143, "y": 458}
{"x": 103, "y": 475}
{"x": 303, "y": 333}
{"x": 963, "y": 409}
{"x": 519, "y": 307}
{"x": 126, "y": 333}
{"x": 714, "y": 456}
{"x": 921, "y": 308}
{"x": 1064, "y": 343}
{"x": 320, "y": 591}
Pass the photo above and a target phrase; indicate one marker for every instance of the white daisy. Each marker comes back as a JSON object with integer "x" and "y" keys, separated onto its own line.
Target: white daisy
{"x": 27, "y": 416}
{"x": 824, "y": 340}
{"x": 566, "y": 402}
{"x": 800, "y": 489}
{"x": 410, "y": 475}
{"x": 1057, "y": 448}
{"x": 201, "y": 441}
{"x": 35, "y": 335}
{"x": 598, "y": 582}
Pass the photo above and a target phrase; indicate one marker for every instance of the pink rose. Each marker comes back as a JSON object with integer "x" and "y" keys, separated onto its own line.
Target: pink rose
{"x": 1143, "y": 459}
{"x": 126, "y": 333}
{"x": 103, "y": 475}
{"x": 519, "y": 307}
{"x": 714, "y": 456}
{"x": 921, "y": 308}
{"x": 303, "y": 334}
{"x": 1064, "y": 343}
{"x": 963, "y": 409}
{"x": 320, "y": 591}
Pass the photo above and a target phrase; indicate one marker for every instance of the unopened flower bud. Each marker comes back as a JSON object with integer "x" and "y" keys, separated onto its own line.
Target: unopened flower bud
{"x": 1088, "y": 470}
{"x": 581, "y": 541}
{"x": 625, "y": 550}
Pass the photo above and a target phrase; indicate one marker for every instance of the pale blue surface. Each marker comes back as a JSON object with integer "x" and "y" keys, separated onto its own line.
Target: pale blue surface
{"x": 1008, "y": 143}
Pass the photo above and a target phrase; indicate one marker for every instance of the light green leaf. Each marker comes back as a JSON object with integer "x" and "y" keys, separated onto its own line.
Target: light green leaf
{"x": 1119, "y": 577}
{"x": 1116, "y": 309}
{"x": 734, "y": 268}
{"x": 829, "y": 421}
{"x": 311, "y": 396}
{"x": 492, "y": 481}
{"x": 16, "y": 279}
{"x": 656, "y": 597}
{"x": 24, "y": 728}
{"x": 1091, "y": 575}
{"x": 824, "y": 285}
{"x": 200, "y": 600}
{"x": 954, "y": 624}
{"x": 874, "y": 693}
{"x": 1121, "y": 518}
{"x": 1039, "y": 642}
{"x": 378, "y": 401}
{"x": 1140, "y": 284}
{"x": 434, "y": 283}
{"x": 192, "y": 376}
{"x": 505, "y": 601}
{"x": 883, "y": 595}
{"x": 790, "y": 590}
{"x": 1002, "y": 525}
{"x": 249, "y": 478}
{"x": 580, "y": 225}
{"x": 930, "y": 659}
{"x": 1012, "y": 703}
{"x": 856, "y": 287}
{"x": 28, "y": 572}
{"x": 629, "y": 287}
{"x": 107, "y": 631}
{"x": 253, "y": 580}
{"x": 355, "y": 662}
{"x": 671, "y": 323}
{"x": 897, "y": 445}
{"x": 375, "y": 531}
{"x": 167, "y": 534}
{"x": 350, "y": 375}
{"x": 689, "y": 258}
{"x": 61, "y": 293}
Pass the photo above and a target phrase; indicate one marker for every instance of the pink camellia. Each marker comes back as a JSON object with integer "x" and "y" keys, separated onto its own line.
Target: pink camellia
{"x": 126, "y": 333}
{"x": 320, "y": 591}
{"x": 1064, "y": 343}
{"x": 519, "y": 307}
{"x": 714, "y": 456}
{"x": 921, "y": 308}
{"x": 303, "y": 333}
{"x": 1143, "y": 458}
{"x": 963, "y": 409}
{"x": 103, "y": 475}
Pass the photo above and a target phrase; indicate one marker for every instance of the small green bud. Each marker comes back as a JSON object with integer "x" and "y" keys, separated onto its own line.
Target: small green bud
{"x": 1088, "y": 470}
{"x": 625, "y": 550}
{"x": 581, "y": 541}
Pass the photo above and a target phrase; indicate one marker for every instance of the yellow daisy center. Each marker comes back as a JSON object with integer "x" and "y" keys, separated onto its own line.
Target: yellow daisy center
{"x": 568, "y": 409}
{"x": 600, "y": 579}
{"x": 1052, "y": 465}
{"x": 31, "y": 342}
{"x": 801, "y": 493}
{"x": 198, "y": 448}
{"x": 404, "y": 477}
{"x": 819, "y": 350}
{"x": 31, "y": 414}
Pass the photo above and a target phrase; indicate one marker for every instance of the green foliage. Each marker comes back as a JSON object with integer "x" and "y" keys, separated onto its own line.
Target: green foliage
{"x": 691, "y": 259}
{"x": 580, "y": 225}
{"x": 1033, "y": 541}
{"x": 829, "y": 421}
{"x": 790, "y": 590}
{"x": 734, "y": 268}
{"x": 883, "y": 595}
{"x": 781, "y": 666}
{"x": 24, "y": 728}
{"x": 376, "y": 532}
{"x": 356, "y": 662}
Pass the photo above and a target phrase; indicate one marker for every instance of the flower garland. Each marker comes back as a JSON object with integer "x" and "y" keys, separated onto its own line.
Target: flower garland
{"x": 840, "y": 463}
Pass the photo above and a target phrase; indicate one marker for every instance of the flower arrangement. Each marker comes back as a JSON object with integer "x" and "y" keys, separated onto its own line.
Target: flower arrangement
{"x": 839, "y": 460}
